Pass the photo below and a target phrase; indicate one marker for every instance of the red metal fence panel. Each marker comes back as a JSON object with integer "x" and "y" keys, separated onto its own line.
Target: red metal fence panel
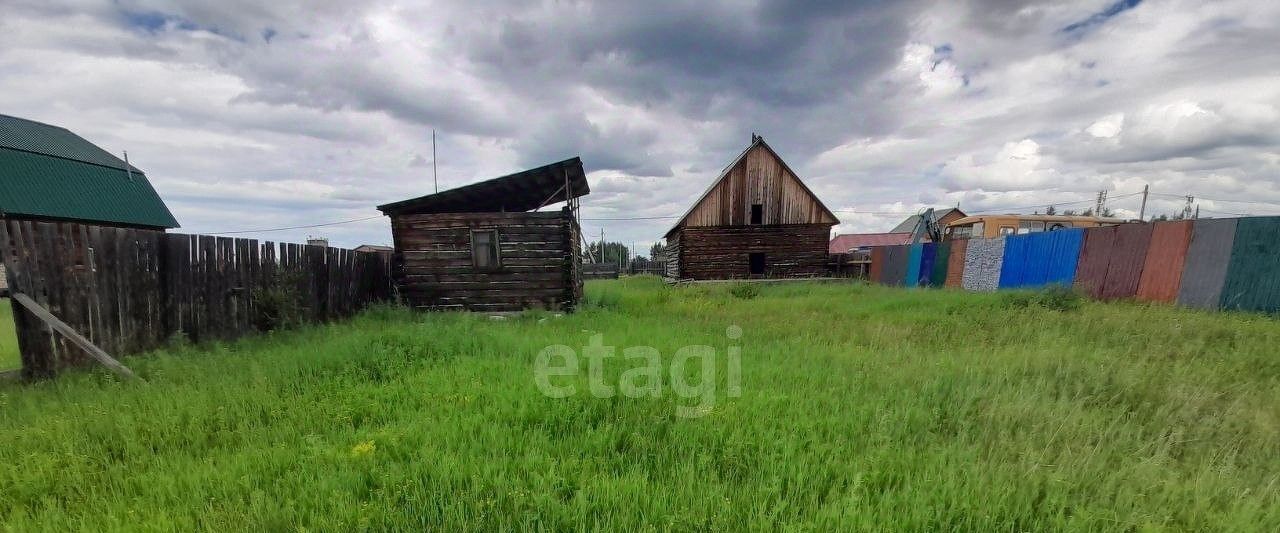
{"x": 1128, "y": 256}
{"x": 1162, "y": 272}
{"x": 955, "y": 264}
{"x": 1091, "y": 271}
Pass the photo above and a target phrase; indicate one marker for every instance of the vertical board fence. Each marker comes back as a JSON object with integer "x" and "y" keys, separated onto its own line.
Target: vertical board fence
{"x": 1206, "y": 264}
{"x": 132, "y": 290}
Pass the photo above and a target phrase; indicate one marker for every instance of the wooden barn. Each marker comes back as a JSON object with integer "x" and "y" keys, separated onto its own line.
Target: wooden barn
{"x": 487, "y": 247}
{"x": 757, "y": 220}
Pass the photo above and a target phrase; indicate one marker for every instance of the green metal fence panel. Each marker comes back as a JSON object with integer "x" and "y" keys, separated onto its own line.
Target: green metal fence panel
{"x": 1253, "y": 277}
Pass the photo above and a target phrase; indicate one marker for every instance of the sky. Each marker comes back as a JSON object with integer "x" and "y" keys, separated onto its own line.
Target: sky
{"x": 249, "y": 116}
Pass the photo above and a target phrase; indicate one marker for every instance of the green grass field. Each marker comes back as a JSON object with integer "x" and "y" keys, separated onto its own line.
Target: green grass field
{"x": 10, "y": 358}
{"x": 862, "y": 408}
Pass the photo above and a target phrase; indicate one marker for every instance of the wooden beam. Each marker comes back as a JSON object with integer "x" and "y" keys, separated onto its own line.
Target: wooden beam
{"x": 61, "y": 327}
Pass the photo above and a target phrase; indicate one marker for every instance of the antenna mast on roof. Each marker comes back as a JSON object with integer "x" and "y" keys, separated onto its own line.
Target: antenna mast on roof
{"x": 127, "y": 170}
{"x": 434, "y": 180}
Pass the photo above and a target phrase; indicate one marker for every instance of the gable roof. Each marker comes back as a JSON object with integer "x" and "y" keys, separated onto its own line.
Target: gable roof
{"x": 49, "y": 172}
{"x": 756, "y": 141}
{"x": 523, "y": 191}
{"x": 909, "y": 225}
{"x": 843, "y": 243}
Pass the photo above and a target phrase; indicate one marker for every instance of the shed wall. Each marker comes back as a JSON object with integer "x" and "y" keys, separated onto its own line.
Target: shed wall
{"x": 1166, "y": 257}
{"x": 538, "y": 264}
{"x": 723, "y": 252}
{"x": 1208, "y": 257}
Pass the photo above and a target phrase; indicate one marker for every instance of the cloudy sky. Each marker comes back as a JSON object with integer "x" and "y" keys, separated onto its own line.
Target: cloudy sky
{"x": 248, "y": 114}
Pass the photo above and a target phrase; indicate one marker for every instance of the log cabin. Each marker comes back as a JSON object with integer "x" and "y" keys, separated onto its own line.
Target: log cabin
{"x": 489, "y": 247}
{"x": 756, "y": 220}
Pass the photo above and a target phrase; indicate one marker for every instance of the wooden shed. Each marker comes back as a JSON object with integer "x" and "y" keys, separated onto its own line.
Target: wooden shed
{"x": 757, "y": 220}
{"x": 487, "y": 247}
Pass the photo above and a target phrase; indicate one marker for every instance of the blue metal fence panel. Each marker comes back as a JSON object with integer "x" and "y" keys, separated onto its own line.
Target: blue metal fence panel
{"x": 1064, "y": 256}
{"x": 1041, "y": 259}
{"x": 1014, "y": 269}
{"x": 913, "y": 265}
{"x": 928, "y": 253}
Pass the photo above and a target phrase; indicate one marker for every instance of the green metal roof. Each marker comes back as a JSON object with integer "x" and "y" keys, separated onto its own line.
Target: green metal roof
{"x": 47, "y": 171}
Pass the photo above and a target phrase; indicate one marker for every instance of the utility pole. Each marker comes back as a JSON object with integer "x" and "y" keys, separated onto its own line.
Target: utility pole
{"x": 1102, "y": 202}
{"x": 1186, "y": 209}
{"x": 1143, "y": 211}
{"x": 601, "y": 244}
{"x": 434, "y": 179}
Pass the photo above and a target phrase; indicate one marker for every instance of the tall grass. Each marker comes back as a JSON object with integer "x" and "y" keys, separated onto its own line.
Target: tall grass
{"x": 862, "y": 408}
{"x": 10, "y": 357}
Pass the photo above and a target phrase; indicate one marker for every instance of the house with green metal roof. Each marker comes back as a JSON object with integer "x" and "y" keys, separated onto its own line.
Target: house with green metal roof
{"x": 50, "y": 173}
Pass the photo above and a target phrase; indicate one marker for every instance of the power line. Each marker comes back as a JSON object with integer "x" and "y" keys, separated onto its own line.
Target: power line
{"x": 629, "y": 218}
{"x": 265, "y": 230}
{"x": 1256, "y": 202}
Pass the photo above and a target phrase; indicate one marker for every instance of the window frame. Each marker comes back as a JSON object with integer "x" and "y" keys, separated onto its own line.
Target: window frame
{"x": 494, "y": 243}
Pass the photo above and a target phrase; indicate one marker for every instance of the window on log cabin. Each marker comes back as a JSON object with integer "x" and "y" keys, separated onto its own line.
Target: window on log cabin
{"x": 757, "y": 262}
{"x": 757, "y": 214}
{"x": 484, "y": 249}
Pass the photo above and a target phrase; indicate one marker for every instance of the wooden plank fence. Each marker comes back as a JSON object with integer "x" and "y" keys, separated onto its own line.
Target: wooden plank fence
{"x": 132, "y": 290}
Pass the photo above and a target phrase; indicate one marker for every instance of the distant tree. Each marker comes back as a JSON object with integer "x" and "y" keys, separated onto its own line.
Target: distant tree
{"x": 614, "y": 252}
{"x": 1051, "y": 210}
{"x": 656, "y": 251}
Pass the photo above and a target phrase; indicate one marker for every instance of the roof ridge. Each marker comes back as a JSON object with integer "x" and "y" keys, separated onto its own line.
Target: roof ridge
{"x": 46, "y": 124}
{"x": 132, "y": 169}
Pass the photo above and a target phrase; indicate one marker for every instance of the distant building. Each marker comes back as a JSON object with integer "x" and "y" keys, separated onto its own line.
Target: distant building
{"x": 850, "y": 242}
{"x": 485, "y": 247}
{"x": 48, "y": 173}
{"x": 318, "y": 241}
{"x": 944, "y": 217}
{"x": 756, "y": 220}
{"x": 373, "y": 248}
{"x": 989, "y": 226}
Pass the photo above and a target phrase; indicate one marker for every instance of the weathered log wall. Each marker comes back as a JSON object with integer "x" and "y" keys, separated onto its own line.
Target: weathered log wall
{"x": 791, "y": 250}
{"x": 539, "y": 264}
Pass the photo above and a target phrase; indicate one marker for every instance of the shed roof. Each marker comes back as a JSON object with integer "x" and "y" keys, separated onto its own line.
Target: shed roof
{"x": 48, "y": 171}
{"x": 756, "y": 140}
{"x": 523, "y": 191}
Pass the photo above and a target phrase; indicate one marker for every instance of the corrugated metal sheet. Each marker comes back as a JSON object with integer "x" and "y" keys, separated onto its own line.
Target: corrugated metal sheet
{"x": 941, "y": 262}
{"x": 47, "y": 139}
{"x": 1208, "y": 257}
{"x": 1015, "y": 263}
{"x": 1128, "y": 255}
{"x": 913, "y": 265}
{"x": 1041, "y": 259}
{"x": 983, "y": 260}
{"x": 46, "y": 186}
{"x": 955, "y": 264}
{"x": 1095, "y": 255}
{"x": 895, "y": 264}
{"x": 875, "y": 273}
{"x": 1253, "y": 278}
{"x": 1166, "y": 257}
{"x": 928, "y": 254}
